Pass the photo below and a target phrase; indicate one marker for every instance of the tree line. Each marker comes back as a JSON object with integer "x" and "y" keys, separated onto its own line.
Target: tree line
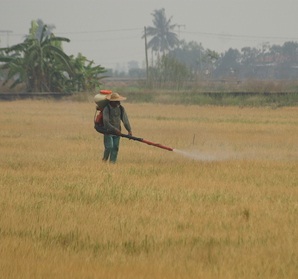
{"x": 40, "y": 63}
{"x": 177, "y": 60}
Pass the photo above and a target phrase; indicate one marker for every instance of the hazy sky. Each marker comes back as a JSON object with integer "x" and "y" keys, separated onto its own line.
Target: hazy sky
{"x": 109, "y": 31}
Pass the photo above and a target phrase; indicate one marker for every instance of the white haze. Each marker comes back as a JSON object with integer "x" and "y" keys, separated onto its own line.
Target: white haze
{"x": 227, "y": 154}
{"x": 109, "y": 32}
{"x": 203, "y": 156}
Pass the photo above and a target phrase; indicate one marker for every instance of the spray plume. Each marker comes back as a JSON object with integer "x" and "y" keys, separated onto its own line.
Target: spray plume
{"x": 196, "y": 156}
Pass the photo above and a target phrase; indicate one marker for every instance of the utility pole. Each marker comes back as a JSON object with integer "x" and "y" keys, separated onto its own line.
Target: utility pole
{"x": 7, "y": 35}
{"x": 179, "y": 26}
{"x": 146, "y": 53}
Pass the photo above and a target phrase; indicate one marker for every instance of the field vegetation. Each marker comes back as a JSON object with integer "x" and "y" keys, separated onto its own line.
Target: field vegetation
{"x": 223, "y": 205}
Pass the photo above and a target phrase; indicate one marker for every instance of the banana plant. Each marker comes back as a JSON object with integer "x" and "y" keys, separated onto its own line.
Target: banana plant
{"x": 37, "y": 61}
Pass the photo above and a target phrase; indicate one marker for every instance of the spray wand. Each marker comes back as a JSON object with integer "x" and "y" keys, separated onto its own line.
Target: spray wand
{"x": 147, "y": 142}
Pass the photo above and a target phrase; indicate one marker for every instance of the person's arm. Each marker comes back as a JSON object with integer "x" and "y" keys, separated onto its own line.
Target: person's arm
{"x": 126, "y": 122}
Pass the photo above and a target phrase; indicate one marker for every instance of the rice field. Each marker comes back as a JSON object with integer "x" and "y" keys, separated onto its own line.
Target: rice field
{"x": 224, "y": 204}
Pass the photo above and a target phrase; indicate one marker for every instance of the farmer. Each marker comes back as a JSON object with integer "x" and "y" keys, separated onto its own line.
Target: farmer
{"x": 113, "y": 114}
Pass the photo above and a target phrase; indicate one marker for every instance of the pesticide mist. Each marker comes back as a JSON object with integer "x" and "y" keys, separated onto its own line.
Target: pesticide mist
{"x": 199, "y": 156}
{"x": 225, "y": 155}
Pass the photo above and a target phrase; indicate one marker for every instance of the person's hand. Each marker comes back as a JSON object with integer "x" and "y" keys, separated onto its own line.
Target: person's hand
{"x": 130, "y": 133}
{"x": 118, "y": 132}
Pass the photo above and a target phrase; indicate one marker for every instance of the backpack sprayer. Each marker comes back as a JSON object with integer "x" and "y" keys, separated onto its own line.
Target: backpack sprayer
{"x": 101, "y": 101}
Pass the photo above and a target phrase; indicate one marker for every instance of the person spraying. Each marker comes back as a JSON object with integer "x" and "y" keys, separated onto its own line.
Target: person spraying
{"x": 107, "y": 121}
{"x": 112, "y": 116}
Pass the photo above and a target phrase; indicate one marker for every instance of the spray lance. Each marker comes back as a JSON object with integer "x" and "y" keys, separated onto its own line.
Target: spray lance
{"x": 147, "y": 142}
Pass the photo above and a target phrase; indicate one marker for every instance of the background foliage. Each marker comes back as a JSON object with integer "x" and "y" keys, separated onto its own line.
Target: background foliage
{"x": 40, "y": 64}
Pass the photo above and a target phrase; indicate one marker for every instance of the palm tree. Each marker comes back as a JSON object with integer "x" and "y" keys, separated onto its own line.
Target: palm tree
{"x": 163, "y": 36}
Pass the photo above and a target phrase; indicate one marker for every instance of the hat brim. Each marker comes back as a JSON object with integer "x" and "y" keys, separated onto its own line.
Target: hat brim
{"x": 120, "y": 98}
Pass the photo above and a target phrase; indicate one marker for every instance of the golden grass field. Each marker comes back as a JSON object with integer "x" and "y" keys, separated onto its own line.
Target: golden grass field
{"x": 225, "y": 208}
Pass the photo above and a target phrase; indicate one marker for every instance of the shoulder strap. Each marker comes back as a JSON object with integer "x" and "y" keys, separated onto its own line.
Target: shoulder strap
{"x": 95, "y": 114}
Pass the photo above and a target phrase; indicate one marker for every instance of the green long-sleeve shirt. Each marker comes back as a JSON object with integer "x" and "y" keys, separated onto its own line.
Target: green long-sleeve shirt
{"x": 112, "y": 119}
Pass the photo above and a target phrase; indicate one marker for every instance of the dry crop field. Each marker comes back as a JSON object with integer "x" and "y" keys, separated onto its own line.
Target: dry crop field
{"x": 225, "y": 205}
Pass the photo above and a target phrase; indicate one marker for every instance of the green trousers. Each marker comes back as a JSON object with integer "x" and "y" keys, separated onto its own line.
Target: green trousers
{"x": 111, "y": 144}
